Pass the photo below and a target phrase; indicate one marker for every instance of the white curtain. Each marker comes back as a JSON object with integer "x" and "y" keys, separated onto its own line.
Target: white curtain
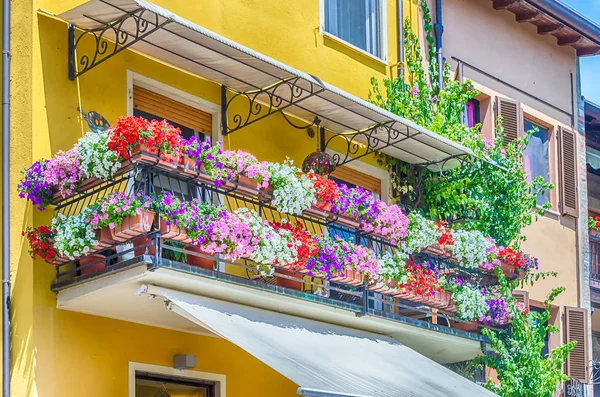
{"x": 355, "y": 21}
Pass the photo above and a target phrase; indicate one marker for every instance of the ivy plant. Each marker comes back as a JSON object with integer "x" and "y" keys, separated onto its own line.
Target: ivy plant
{"x": 491, "y": 191}
{"x": 523, "y": 370}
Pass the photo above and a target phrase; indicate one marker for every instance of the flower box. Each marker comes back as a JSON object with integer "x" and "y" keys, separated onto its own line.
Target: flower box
{"x": 172, "y": 232}
{"x": 321, "y": 213}
{"x": 133, "y": 226}
{"x": 141, "y": 153}
{"x": 247, "y": 186}
{"x": 105, "y": 239}
{"x": 285, "y": 282}
{"x": 349, "y": 277}
{"x": 88, "y": 184}
{"x": 266, "y": 194}
{"x": 465, "y": 326}
{"x": 351, "y": 223}
{"x": 188, "y": 167}
{"x": 92, "y": 263}
{"x": 198, "y": 260}
{"x": 441, "y": 300}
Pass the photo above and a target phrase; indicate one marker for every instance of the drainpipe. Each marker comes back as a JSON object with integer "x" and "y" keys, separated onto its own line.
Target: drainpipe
{"x": 399, "y": 12}
{"x": 5, "y": 198}
{"x": 439, "y": 31}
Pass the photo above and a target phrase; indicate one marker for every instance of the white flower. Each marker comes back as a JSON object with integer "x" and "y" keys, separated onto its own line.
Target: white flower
{"x": 470, "y": 303}
{"x": 391, "y": 267}
{"x": 271, "y": 246}
{"x": 293, "y": 191}
{"x": 422, "y": 233}
{"x": 470, "y": 247}
{"x": 96, "y": 158}
{"x": 74, "y": 235}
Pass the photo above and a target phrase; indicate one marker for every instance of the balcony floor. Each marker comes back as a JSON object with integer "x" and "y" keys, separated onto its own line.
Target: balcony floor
{"x": 114, "y": 294}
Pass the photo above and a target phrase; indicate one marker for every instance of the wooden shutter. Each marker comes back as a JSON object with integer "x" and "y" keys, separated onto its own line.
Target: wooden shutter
{"x": 521, "y": 296}
{"x": 358, "y": 178}
{"x": 167, "y": 108}
{"x": 512, "y": 118}
{"x": 569, "y": 203}
{"x": 576, "y": 330}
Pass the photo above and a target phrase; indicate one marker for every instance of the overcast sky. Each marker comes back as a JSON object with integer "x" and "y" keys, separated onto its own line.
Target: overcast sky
{"x": 590, "y": 66}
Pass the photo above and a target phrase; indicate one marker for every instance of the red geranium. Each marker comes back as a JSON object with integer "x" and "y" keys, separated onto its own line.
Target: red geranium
{"x": 446, "y": 237}
{"x": 326, "y": 192}
{"x": 423, "y": 280}
{"x": 160, "y": 137}
{"x": 128, "y": 132}
{"x": 306, "y": 246}
{"x": 513, "y": 258}
{"x": 41, "y": 242}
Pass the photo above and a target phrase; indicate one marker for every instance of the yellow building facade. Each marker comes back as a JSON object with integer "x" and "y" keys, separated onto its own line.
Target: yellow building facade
{"x": 78, "y": 344}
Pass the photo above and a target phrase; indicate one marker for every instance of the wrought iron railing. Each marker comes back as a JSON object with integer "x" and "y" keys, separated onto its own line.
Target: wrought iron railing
{"x": 169, "y": 251}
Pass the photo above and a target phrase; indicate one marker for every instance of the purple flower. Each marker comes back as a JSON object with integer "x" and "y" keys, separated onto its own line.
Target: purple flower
{"x": 34, "y": 186}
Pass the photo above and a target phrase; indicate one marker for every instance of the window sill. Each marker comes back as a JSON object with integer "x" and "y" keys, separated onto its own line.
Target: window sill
{"x": 550, "y": 211}
{"x": 352, "y": 47}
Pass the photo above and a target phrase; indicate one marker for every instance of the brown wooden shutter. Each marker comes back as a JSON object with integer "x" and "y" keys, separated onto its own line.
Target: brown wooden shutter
{"x": 358, "y": 178}
{"x": 576, "y": 330}
{"x": 569, "y": 204}
{"x": 512, "y": 118}
{"x": 167, "y": 108}
{"x": 521, "y": 296}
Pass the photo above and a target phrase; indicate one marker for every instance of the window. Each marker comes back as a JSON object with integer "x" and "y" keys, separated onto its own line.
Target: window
{"x": 191, "y": 121}
{"x": 357, "y": 22}
{"x": 154, "y": 385}
{"x": 473, "y": 115}
{"x": 537, "y": 156}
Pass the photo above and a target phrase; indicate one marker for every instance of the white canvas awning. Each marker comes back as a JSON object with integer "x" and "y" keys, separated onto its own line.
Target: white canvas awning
{"x": 322, "y": 359}
{"x": 172, "y": 39}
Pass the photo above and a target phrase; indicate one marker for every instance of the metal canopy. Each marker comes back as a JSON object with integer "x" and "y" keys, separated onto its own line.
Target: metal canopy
{"x": 267, "y": 86}
{"x": 322, "y": 359}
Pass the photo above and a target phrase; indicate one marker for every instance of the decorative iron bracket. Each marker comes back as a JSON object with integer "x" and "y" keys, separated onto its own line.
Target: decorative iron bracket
{"x": 364, "y": 142}
{"x": 263, "y": 102}
{"x": 105, "y": 46}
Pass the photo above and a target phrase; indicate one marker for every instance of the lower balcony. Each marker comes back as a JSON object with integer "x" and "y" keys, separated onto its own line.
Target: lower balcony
{"x": 110, "y": 281}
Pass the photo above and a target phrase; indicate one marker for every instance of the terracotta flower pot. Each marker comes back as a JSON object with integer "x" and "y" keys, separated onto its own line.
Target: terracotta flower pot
{"x": 441, "y": 300}
{"x": 188, "y": 166}
{"x": 104, "y": 237}
{"x": 247, "y": 186}
{"x": 508, "y": 270}
{"x": 349, "y": 277}
{"x": 286, "y": 282}
{"x": 95, "y": 262}
{"x": 88, "y": 184}
{"x": 140, "y": 249}
{"x": 172, "y": 232}
{"x": 194, "y": 260}
{"x": 319, "y": 213}
{"x": 142, "y": 153}
{"x": 467, "y": 327}
{"x": 266, "y": 193}
{"x": 133, "y": 226}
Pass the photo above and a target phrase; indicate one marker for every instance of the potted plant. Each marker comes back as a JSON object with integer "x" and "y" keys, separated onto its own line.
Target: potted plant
{"x": 64, "y": 173}
{"x": 471, "y": 248}
{"x": 392, "y": 272}
{"x": 270, "y": 247}
{"x": 293, "y": 191}
{"x": 34, "y": 186}
{"x": 305, "y": 247}
{"x": 41, "y": 243}
{"x": 208, "y": 159}
{"x": 326, "y": 195}
{"x": 165, "y": 140}
{"x": 128, "y": 217}
{"x": 127, "y": 138}
{"x": 246, "y": 171}
{"x": 170, "y": 210}
{"x": 76, "y": 239}
{"x": 357, "y": 205}
{"x": 421, "y": 234}
{"x": 390, "y": 223}
{"x": 98, "y": 162}
{"x": 423, "y": 282}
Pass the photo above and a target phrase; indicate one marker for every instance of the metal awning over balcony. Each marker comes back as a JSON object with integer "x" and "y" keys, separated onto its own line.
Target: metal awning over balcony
{"x": 266, "y": 85}
{"x": 323, "y": 359}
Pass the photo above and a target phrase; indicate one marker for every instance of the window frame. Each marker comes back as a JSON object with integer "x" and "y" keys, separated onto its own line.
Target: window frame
{"x": 219, "y": 379}
{"x": 552, "y": 157}
{"x": 382, "y": 33}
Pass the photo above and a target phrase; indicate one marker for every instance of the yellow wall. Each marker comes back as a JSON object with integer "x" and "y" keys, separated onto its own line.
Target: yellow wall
{"x": 59, "y": 353}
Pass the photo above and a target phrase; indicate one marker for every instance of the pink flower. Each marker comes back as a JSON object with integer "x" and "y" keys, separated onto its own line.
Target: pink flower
{"x": 111, "y": 225}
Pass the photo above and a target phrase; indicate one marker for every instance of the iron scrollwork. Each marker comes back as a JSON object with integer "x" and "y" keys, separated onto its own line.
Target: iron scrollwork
{"x": 261, "y": 103}
{"x": 364, "y": 142}
{"x": 111, "y": 38}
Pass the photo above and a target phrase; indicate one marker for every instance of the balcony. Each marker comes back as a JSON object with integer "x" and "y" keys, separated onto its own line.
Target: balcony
{"x": 107, "y": 285}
